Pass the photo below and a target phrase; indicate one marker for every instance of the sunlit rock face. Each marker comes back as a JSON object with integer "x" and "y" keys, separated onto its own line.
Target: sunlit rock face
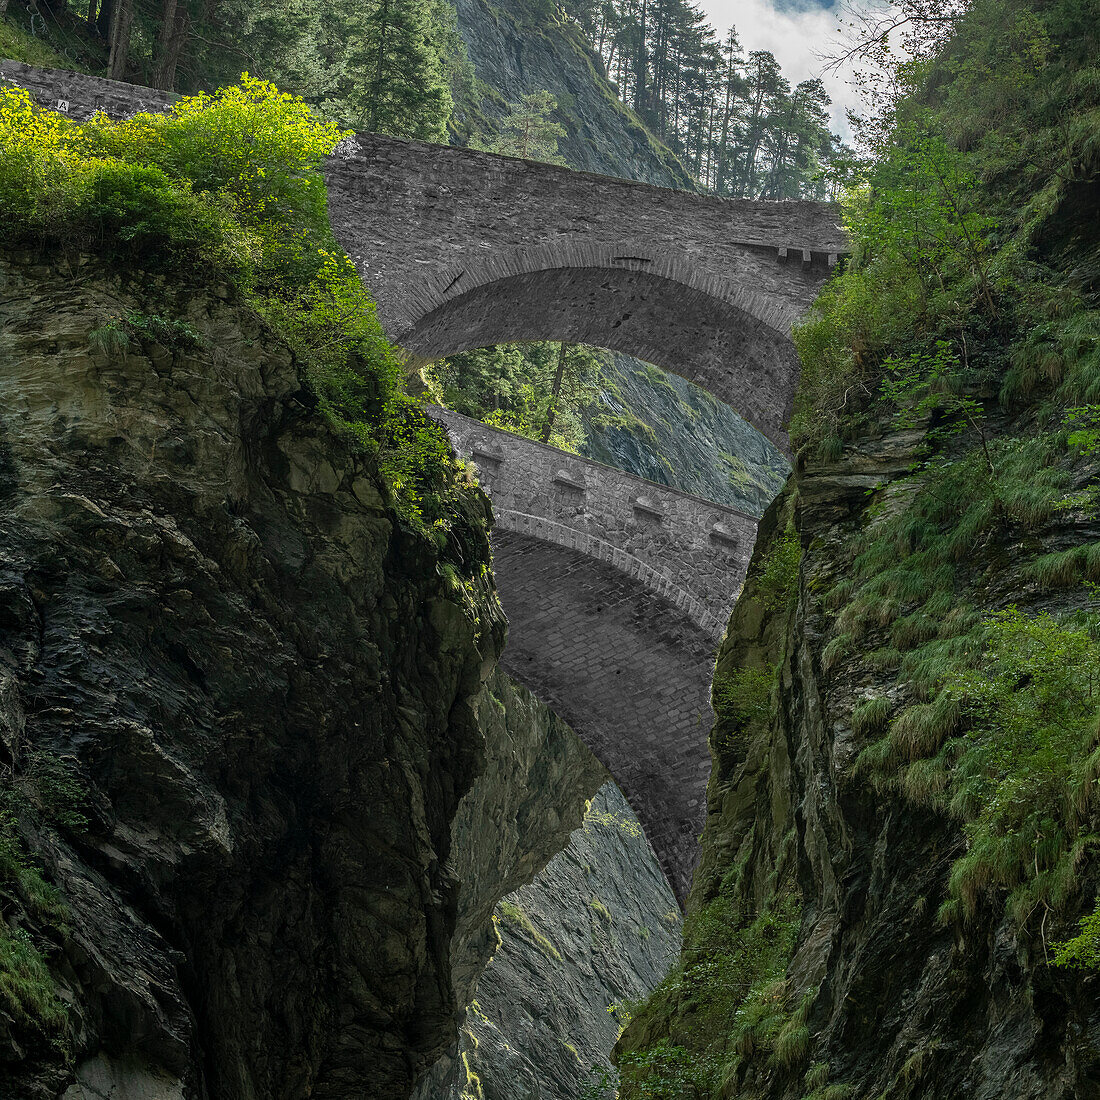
{"x": 593, "y": 933}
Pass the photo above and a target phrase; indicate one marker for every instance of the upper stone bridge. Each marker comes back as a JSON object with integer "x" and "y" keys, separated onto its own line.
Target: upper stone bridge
{"x": 462, "y": 249}
{"x": 616, "y": 589}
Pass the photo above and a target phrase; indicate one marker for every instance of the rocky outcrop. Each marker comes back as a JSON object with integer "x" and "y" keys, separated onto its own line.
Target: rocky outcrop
{"x": 521, "y": 46}
{"x": 519, "y": 814}
{"x": 589, "y": 937}
{"x": 820, "y": 889}
{"x": 656, "y": 425}
{"x": 241, "y": 702}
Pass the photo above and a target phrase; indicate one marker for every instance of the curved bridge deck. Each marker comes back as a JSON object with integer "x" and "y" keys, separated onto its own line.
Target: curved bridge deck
{"x": 617, "y": 591}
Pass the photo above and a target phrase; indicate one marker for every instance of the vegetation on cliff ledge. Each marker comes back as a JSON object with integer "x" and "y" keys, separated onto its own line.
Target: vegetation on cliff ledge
{"x": 228, "y": 186}
{"x": 971, "y": 316}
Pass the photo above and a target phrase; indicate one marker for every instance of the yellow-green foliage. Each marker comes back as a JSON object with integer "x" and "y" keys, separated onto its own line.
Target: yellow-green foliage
{"x": 1008, "y": 745}
{"x": 730, "y": 990}
{"x": 870, "y": 716}
{"x": 742, "y": 704}
{"x": 230, "y": 185}
{"x": 596, "y": 819}
{"x": 1083, "y": 950}
{"x": 27, "y": 990}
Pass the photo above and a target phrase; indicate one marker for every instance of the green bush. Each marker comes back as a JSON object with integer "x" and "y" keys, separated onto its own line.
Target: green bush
{"x": 230, "y": 184}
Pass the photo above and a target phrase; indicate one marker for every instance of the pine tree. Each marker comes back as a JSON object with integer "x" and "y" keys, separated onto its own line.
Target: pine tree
{"x": 527, "y": 130}
{"x": 394, "y": 75}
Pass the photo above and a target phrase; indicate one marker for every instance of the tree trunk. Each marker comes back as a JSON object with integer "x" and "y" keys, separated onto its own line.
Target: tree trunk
{"x": 122, "y": 17}
{"x": 175, "y": 21}
{"x": 376, "y": 90}
{"x": 103, "y": 19}
{"x": 551, "y": 409}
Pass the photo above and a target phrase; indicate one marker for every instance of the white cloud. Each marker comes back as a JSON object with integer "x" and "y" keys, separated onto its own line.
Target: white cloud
{"x": 798, "y": 38}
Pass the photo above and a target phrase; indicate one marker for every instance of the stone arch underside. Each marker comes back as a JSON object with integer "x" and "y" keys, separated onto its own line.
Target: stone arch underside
{"x": 435, "y": 230}
{"x": 719, "y": 346}
{"x": 627, "y": 670}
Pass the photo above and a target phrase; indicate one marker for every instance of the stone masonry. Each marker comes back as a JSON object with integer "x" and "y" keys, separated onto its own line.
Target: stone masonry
{"x": 680, "y": 547}
{"x": 616, "y": 589}
{"x": 462, "y": 249}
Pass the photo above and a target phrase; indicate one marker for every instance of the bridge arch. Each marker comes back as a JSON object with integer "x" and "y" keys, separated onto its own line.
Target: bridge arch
{"x": 617, "y": 591}
{"x": 462, "y": 249}
{"x": 726, "y": 343}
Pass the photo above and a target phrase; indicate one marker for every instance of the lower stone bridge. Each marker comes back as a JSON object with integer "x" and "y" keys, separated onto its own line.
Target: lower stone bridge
{"x": 616, "y": 589}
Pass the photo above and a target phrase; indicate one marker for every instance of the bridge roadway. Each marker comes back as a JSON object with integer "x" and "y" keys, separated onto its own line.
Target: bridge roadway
{"x": 616, "y": 589}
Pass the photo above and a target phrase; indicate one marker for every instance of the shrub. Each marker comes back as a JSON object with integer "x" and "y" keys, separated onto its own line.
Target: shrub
{"x": 777, "y": 581}
{"x": 230, "y": 184}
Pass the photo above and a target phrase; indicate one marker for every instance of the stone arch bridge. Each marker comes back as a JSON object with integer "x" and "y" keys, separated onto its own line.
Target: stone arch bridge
{"x": 617, "y": 590}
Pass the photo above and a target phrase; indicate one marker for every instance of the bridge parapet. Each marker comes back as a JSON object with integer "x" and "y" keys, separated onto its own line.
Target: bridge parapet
{"x": 80, "y": 96}
{"x": 690, "y": 551}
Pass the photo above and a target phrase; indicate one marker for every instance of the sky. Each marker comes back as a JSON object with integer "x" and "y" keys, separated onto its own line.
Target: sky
{"x": 797, "y": 32}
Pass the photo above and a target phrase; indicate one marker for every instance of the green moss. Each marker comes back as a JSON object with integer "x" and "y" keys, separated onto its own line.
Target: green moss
{"x": 777, "y": 582}
{"x": 516, "y": 918}
{"x": 600, "y": 910}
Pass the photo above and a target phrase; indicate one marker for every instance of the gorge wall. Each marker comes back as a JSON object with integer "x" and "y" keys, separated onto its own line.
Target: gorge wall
{"x": 819, "y": 957}
{"x": 241, "y": 706}
{"x": 516, "y": 47}
{"x": 583, "y": 943}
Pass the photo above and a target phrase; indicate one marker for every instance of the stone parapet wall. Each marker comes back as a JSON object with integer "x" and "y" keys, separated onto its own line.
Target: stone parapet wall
{"x": 80, "y": 96}
{"x": 687, "y": 550}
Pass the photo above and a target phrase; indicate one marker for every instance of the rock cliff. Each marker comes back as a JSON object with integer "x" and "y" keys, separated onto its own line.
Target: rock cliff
{"x": 587, "y": 939}
{"x": 819, "y": 958}
{"x": 521, "y": 46}
{"x": 661, "y": 427}
{"x": 241, "y": 704}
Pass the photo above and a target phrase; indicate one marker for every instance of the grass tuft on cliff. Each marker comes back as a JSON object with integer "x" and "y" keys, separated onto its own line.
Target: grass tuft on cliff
{"x": 970, "y": 318}
{"x": 229, "y": 186}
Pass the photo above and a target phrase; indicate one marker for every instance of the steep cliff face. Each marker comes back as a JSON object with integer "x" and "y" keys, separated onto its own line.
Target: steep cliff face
{"x": 240, "y": 705}
{"x": 592, "y": 934}
{"x": 521, "y": 46}
{"x": 519, "y": 814}
{"x": 549, "y": 1010}
{"x": 820, "y": 960}
{"x": 661, "y": 427}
